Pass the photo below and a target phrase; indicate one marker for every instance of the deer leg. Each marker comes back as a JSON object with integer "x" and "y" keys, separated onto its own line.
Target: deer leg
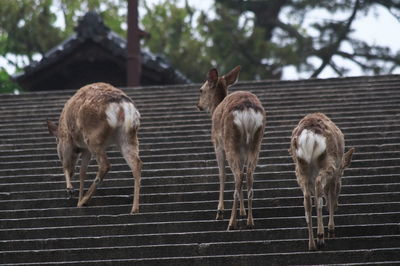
{"x": 136, "y": 171}
{"x": 319, "y": 205}
{"x": 242, "y": 210}
{"x": 85, "y": 159}
{"x": 133, "y": 160}
{"x": 237, "y": 172}
{"x": 332, "y": 203}
{"x": 129, "y": 146}
{"x": 336, "y": 194}
{"x": 220, "y": 154}
{"x": 251, "y": 166}
{"x": 324, "y": 181}
{"x": 69, "y": 161}
{"x": 104, "y": 167}
{"x": 307, "y": 208}
{"x": 249, "y": 181}
{"x": 70, "y": 188}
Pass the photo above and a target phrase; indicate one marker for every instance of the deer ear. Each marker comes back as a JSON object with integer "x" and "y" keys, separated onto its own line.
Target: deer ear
{"x": 232, "y": 77}
{"x": 212, "y": 76}
{"x": 347, "y": 158}
{"x": 53, "y": 128}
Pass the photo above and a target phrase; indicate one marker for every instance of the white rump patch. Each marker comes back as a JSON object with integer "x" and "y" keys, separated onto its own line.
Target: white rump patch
{"x": 132, "y": 116}
{"x": 122, "y": 114}
{"x": 310, "y": 145}
{"x": 112, "y": 114}
{"x": 248, "y": 121}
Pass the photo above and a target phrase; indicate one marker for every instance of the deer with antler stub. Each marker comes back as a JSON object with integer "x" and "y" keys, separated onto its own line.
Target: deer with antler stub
{"x": 317, "y": 149}
{"x": 238, "y": 121}
{"x": 97, "y": 116}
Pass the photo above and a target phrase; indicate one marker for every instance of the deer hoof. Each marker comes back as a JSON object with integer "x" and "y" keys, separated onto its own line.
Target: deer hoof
{"x": 231, "y": 227}
{"x": 250, "y": 225}
{"x": 320, "y": 241}
{"x": 311, "y": 246}
{"x": 70, "y": 192}
{"x": 134, "y": 211}
{"x": 220, "y": 215}
{"x": 331, "y": 233}
{"x": 81, "y": 204}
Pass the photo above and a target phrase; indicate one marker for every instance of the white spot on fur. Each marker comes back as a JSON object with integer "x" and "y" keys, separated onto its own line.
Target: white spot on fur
{"x": 112, "y": 114}
{"x": 130, "y": 114}
{"x": 310, "y": 145}
{"x": 248, "y": 121}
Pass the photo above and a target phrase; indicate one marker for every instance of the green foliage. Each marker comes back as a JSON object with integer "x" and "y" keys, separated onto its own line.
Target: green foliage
{"x": 222, "y": 41}
{"x": 29, "y": 27}
{"x": 112, "y": 11}
{"x": 172, "y": 34}
{"x": 6, "y": 84}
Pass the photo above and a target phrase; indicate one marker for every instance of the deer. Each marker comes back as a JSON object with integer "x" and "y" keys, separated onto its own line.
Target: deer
{"x": 95, "y": 117}
{"x": 317, "y": 149}
{"x": 238, "y": 122}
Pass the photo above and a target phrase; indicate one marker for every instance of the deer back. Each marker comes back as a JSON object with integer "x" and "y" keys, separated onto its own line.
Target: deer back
{"x": 97, "y": 110}
{"x": 317, "y": 143}
{"x": 240, "y": 116}
{"x": 316, "y": 135}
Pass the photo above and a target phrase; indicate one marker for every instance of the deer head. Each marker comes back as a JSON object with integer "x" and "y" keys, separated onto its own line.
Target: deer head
{"x": 215, "y": 88}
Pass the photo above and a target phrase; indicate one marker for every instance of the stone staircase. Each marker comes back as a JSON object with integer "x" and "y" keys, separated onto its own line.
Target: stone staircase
{"x": 176, "y": 226}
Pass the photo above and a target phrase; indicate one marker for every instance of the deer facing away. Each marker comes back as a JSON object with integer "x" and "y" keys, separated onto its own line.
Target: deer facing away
{"x": 317, "y": 149}
{"x": 97, "y": 116}
{"x": 238, "y": 122}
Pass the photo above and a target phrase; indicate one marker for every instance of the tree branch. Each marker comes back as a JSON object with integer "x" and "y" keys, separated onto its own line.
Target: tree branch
{"x": 336, "y": 69}
{"x": 351, "y": 58}
{"x": 395, "y": 59}
{"x": 332, "y": 49}
{"x": 289, "y": 29}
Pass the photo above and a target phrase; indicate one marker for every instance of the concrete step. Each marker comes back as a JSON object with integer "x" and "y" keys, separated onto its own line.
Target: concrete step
{"x": 176, "y": 226}
{"x": 279, "y": 189}
{"x": 386, "y": 229}
{"x": 195, "y": 249}
{"x": 71, "y": 217}
{"x": 129, "y": 225}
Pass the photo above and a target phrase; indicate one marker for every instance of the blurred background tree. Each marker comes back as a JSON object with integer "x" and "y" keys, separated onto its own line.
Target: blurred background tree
{"x": 265, "y": 37}
{"x": 30, "y": 28}
{"x": 33, "y": 27}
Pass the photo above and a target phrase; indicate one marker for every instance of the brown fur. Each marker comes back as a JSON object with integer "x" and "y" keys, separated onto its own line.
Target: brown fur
{"x": 83, "y": 130}
{"x": 320, "y": 177}
{"x": 229, "y": 142}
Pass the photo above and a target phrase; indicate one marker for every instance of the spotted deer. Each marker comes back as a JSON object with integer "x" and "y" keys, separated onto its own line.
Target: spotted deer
{"x": 97, "y": 116}
{"x": 238, "y": 121}
{"x": 317, "y": 149}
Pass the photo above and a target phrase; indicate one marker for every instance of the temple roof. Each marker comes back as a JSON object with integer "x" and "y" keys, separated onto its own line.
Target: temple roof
{"x": 98, "y": 54}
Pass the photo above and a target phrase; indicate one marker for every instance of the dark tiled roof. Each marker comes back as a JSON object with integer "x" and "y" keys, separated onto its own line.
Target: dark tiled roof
{"x": 92, "y": 28}
{"x": 179, "y": 197}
